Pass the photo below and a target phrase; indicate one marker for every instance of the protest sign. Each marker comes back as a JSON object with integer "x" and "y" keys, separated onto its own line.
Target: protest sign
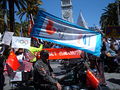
{"x": 7, "y": 37}
{"x": 21, "y": 42}
{"x": 16, "y": 76}
{"x": 27, "y": 66}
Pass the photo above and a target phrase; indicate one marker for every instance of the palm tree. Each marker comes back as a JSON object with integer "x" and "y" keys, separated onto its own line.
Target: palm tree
{"x": 12, "y": 3}
{"x": 1, "y": 20}
{"x": 32, "y": 8}
{"x": 21, "y": 28}
{"x": 109, "y": 17}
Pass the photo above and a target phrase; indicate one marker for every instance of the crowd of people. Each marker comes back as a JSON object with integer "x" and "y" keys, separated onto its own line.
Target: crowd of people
{"x": 42, "y": 72}
{"x": 111, "y": 55}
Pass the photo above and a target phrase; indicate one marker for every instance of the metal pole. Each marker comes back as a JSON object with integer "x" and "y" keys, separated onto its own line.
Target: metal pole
{"x": 118, "y": 11}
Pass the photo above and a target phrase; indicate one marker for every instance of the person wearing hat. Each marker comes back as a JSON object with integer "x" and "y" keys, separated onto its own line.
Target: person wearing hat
{"x": 42, "y": 74}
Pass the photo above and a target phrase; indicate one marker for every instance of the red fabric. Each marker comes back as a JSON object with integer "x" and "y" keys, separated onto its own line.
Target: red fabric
{"x": 91, "y": 79}
{"x": 63, "y": 53}
{"x": 30, "y": 26}
{"x": 12, "y": 61}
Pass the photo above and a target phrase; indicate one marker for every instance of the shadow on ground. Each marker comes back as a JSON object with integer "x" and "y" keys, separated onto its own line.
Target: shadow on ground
{"x": 113, "y": 80}
{"x": 23, "y": 88}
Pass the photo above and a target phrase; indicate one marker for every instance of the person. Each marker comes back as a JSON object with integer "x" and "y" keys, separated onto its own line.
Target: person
{"x": 19, "y": 54}
{"x": 2, "y": 78}
{"x": 101, "y": 61}
{"x": 42, "y": 76}
{"x": 34, "y": 50}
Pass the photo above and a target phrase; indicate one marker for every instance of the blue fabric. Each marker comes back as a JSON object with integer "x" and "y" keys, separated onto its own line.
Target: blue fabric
{"x": 39, "y": 28}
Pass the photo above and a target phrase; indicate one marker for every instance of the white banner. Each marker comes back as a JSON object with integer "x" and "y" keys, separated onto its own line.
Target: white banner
{"x": 21, "y": 42}
{"x": 7, "y": 38}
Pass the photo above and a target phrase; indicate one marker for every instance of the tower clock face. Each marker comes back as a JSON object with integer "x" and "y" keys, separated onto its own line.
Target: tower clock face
{"x": 66, "y": 14}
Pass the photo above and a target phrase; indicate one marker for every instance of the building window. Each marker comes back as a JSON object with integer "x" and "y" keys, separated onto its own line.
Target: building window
{"x": 65, "y": 2}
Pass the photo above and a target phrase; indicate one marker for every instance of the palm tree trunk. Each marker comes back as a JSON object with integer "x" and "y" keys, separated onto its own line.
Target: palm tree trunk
{"x": 11, "y": 14}
{"x": 5, "y": 15}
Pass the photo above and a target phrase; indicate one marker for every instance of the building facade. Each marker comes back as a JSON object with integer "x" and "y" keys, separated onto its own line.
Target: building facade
{"x": 66, "y": 6}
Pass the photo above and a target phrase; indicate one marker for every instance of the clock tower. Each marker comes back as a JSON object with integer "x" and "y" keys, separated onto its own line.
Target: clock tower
{"x": 66, "y": 6}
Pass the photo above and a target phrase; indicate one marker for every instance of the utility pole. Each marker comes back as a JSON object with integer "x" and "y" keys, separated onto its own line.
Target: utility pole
{"x": 118, "y": 11}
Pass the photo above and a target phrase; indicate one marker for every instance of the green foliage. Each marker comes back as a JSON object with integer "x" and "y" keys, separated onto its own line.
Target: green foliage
{"x": 24, "y": 26}
{"x": 25, "y": 7}
{"x": 109, "y": 17}
{"x": 32, "y": 8}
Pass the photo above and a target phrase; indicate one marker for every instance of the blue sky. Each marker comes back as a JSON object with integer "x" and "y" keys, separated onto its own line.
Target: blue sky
{"x": 91, "y": 9}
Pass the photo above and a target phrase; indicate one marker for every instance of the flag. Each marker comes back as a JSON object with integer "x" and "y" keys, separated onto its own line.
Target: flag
{"x": 12, "y": 61}
{"x": 31, "y": 23}
{"x": 29, "y": 55}
{"x": 53, "y": 29}
{"x": 81, "y": 21}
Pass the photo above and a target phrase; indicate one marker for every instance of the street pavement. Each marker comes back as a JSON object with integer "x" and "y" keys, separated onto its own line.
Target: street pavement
{"x": 112, "y": 79}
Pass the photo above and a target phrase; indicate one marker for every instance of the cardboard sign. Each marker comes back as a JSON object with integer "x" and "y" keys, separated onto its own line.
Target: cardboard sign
{"x": 64, "y": 53}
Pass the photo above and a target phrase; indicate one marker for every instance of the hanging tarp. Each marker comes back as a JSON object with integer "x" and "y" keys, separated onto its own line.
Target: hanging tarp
{"x": 56, "y": 30}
